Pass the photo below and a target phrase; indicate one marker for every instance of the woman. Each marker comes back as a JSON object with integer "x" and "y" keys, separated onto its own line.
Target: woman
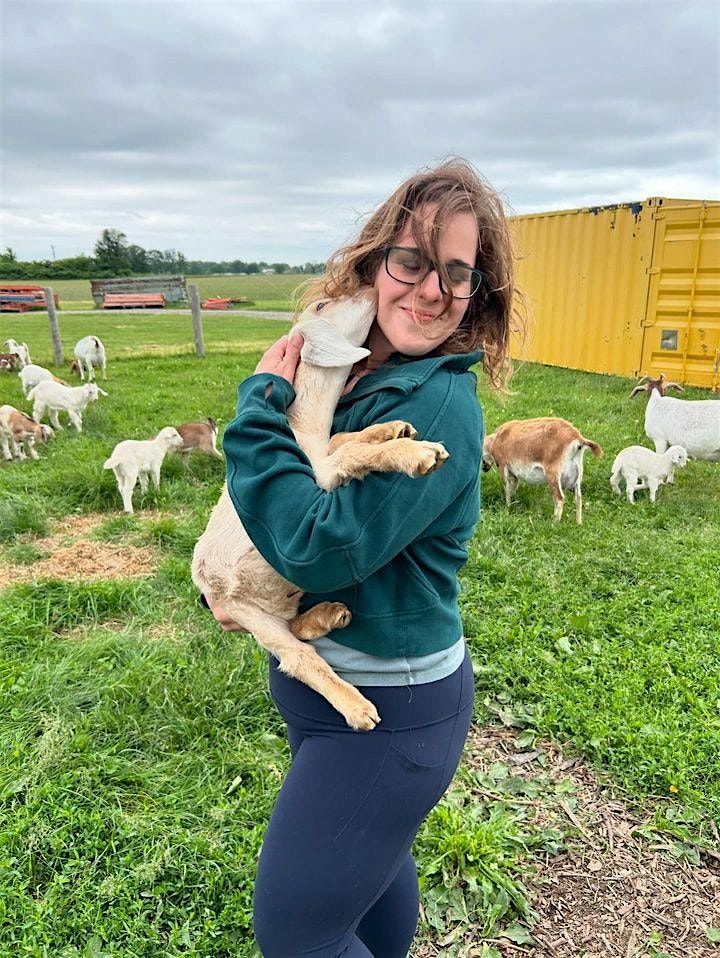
{"x": 336, "y": 874}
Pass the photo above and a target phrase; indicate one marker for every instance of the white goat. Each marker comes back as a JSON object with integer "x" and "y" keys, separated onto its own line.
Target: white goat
{"x": 55, "y": 398}
{"x": 694, "y": 425}
{"x": 641, "y": 468}
{"x": 226, "y": 566}
{"x": 17, "y": 429}
{"x": 89, "y": 355}
{"x": 139, "y": 459}
{"x": 21, "y": 351}
{"x": 31, "y": 375}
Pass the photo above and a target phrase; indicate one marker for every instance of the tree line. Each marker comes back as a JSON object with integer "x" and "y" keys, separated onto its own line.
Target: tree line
{"x": 113, "y": 255}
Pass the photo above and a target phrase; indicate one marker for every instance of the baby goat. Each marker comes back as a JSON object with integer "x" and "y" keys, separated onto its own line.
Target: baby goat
{"x": 642, "y": 468}
{"x": 89, "y": 355}
{"x": 539, "y": 451}
{"x": 201, "y": 436}
{"x": 228, "y": 569}
{"x": 20, "y": 350}
{"x": 17, "y": 429}
{"x": 9, "y": 361}
{"x": 695, "y": 425}
{"x": 140, "y": 459}
{"x": 31, "y": 375}
{"x": 56, "y": 398}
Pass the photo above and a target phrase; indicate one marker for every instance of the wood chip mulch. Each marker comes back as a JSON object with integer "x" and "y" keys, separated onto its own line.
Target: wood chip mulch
{"x": 613, "y": 892}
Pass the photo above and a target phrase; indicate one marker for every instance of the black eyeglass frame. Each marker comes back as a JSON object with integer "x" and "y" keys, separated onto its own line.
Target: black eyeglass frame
{"x": 406, "y": 282}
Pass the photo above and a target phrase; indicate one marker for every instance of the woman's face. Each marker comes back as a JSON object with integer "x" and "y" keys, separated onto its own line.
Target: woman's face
{"x": 407, "y": 316}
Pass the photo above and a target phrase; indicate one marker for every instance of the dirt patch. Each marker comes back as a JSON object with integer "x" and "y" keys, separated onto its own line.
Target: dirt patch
{"x": 71, "y": 556}
{"x": 86, "y": 561}
{"x": 616, "y": 892}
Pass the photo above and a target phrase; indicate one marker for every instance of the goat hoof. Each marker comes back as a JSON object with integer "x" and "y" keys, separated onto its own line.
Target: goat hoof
{"x": 403, "y": 430}
{"x": 340, "y": 615}
{"x": 363, "y": 717}
{"x": 431, "y": 455}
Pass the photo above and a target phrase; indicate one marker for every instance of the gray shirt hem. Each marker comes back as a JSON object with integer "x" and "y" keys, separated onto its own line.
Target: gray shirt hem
{"x": 359, "y": 668}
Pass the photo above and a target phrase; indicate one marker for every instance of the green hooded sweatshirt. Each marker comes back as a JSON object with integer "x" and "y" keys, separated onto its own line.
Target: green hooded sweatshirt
{"x": 388, "y": 546}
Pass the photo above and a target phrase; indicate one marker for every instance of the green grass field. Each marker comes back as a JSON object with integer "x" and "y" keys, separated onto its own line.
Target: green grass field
{"x": 266, "y": 292}
{"x": 139, "y": 751}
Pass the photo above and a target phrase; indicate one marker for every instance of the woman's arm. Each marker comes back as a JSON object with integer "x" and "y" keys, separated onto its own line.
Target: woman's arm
{"x": 323, "y": 541}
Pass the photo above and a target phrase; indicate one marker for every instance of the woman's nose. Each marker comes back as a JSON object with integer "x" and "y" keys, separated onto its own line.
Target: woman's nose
{"x": 429, "y": 288}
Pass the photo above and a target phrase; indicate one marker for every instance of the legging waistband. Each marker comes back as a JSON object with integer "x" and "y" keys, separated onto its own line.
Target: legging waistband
{"x": 400, "y": 707}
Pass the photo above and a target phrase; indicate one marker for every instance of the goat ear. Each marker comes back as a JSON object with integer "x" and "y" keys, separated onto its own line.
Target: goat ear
{"x": 325, "y": 346}
{"x": 637, "y": 389}
{"x": 677, "y": 386}
{"x": 101, "y": 391}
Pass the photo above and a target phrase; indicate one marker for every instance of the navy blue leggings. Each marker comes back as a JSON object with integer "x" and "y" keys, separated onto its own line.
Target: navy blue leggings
{"x": 336, "y": 876}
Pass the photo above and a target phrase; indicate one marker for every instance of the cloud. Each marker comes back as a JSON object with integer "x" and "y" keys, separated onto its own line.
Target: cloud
{"x": 263, "y": 130}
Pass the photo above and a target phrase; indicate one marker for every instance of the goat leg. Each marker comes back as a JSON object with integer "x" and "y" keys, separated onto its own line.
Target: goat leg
{"x": 320, "y": 620}
{"x": 302, "y": 662}
{"x": 380, "y": 432}
{"x": 354, "y": 460}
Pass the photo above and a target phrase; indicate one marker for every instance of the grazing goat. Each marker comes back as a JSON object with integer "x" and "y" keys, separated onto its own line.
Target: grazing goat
{"x": 89, "y": 355}
{"x": 20, "y": 350}
{"x": 9, "y": 361}
{"x": 641, "y": 468}
{"x": 228, "y": 569}
{"x": 139, "y": 459}
{"x": 201, "y": 436}
{"x": 17, "y": 429}
{"x": 694, "y": 425}
{"x": 55, "y": 398}
{"x": 31, "y": 375}
{"x": 540, "y": 451}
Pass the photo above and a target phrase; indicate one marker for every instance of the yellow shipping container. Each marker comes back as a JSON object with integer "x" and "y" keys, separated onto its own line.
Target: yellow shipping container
{"x": 631, "y": 289}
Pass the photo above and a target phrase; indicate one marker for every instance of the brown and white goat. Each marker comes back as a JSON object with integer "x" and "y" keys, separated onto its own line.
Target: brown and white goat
{"x": 226, "y": 566}
{"x": 16, "y": 430}
{"x": 8, "y": 361}
{"x": 540, "y": 451}
{"x": 201, "y": 436}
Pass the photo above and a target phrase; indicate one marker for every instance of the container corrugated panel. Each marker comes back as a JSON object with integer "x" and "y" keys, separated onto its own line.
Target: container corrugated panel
{"x": 586, "y": 277}
{"x": 682, "y": 326}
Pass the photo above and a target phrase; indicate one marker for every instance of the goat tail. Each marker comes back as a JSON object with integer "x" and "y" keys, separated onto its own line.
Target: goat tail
{"x": 212, "y": 424}
{"x": 111, "y": 462}
{"x": 594, "y": 448}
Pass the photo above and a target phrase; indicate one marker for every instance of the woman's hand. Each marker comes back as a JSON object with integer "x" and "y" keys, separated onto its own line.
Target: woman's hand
{"x": 227, "y": 624}
{"x": 282, "y": 358}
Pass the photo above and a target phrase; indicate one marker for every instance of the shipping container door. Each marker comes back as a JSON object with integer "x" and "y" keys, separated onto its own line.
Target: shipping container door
{"x": 682, "y": 321}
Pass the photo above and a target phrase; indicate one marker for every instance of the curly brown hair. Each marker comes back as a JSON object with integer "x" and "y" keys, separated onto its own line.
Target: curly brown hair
{"x": 452, "y": 187}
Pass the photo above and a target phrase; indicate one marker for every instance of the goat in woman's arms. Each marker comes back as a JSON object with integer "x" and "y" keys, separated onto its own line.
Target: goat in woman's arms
{"x": 229, "y": 570}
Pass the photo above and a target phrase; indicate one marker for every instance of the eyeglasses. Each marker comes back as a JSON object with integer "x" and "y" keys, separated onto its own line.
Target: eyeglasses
{"x": 409, "y": 266}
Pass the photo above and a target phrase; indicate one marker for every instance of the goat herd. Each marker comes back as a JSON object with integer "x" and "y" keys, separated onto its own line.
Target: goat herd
{"x": 550, "y": 451}
{"x": 538, "y": 451}
{"x": 131, "y": 460}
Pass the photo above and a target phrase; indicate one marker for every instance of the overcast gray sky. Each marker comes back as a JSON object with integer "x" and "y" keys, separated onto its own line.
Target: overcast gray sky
{"x": 265, "y": 130}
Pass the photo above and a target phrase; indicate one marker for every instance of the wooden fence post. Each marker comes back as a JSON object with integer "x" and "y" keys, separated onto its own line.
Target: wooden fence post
{"x": 194, "y": 293}
{"x": 54, "y": 328}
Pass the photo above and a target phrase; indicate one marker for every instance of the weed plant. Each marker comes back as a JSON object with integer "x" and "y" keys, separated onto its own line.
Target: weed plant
{"x": 140, "y": 754}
